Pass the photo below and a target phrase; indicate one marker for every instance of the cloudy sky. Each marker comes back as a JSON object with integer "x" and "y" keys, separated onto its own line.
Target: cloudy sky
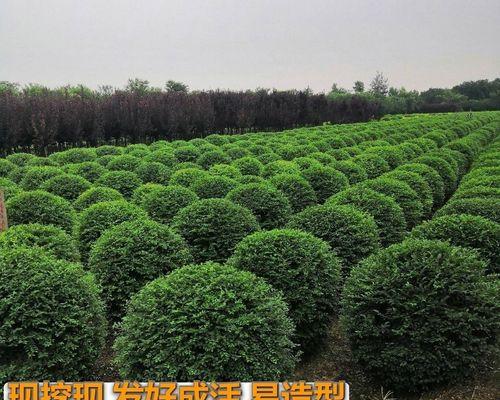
{"x": 240, "y": 44}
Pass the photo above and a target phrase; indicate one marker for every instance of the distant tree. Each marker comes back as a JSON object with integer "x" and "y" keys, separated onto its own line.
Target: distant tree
{"x": 379, "y": 85}
{"x": 9, "y": 87}
{"x": 478, "y": 90}
{"x": 401, "y": 101}
{"x": 174, "y": 86}
{"x": 138, "y": 86}
{"x": 337, "y": 91}
{"x": 359, "y": 87}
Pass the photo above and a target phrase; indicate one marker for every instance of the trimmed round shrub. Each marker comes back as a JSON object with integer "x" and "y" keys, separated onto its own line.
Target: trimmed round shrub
{"x": 444, "y": 169}
{"x": 140, "y": 148}
{"x": 391, "y": 154}
{"x": 298, "y": 190}
{"x": 476, "y": 191}
{"x": 142, "y": 191}
{"x": 212, "y": 157}
{"x": 419, "y": 186}
{"x": 236, "y": 152}
{"x": 491, "y": 181}
{"x": 131, "y": 254}
{"x": 104, "y": 160}
{"x": 73, "y": 156}
{"x": 20, "y": 159}
{"x": 186, "y": 177}
{"x": 251, "y": 179}
{"x": 240, "y": 321}
{"x": 280, "y": 167}
{"x": 386, "y": 213}
{"x": 34, "y": 177}
{"x": 226, "y": 170}
{"x": 108, "y": 150}
{"x": 10, "y": 189}
{"x": 304, "y": 268}
{"x": 213, "y": 227}
{"x": 487, "y": 208}
{"x": 306, "y": 162}
{"x": 373, "y": 164}
{"x": 153, "y": 172}
{"x": 94, "y": 220}
{"x": 40, "y": 207}
{"x": 163, "y": 204}
{"x": 123, "y": 162}
{"x": 355, "y": 173}
{"x": 249, "y": 166}
{"x": 432, "y": 178}
{"x": 89, "y": 170}
{"x": 351, "y": 233}
{"x": 66, "y": 185}
{"x": 325, "y": 181}
{"x": 52, "y": 239}
{"x": 403, "y": 194}
{"x": 186, "y": 165}
{"x": 268, "y": 204}
{"x": 163, "y": 155}
{"x": 186, "y": 153}
{"x": 96, "y": 195}
{"x": 43, "y": 162}
{"x": 123, "y": 181}
{"x": 211, "y": 186}
{"x": 6, "y": 167}
{"x": 339, "y": 154}
{"x": 466, "y": 231}
{"x": 53, "y": 324}
{"x": 420, "y": 313}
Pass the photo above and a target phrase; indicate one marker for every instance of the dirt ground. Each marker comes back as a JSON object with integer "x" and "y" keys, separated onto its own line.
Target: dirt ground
{"x": 334, "y": 362}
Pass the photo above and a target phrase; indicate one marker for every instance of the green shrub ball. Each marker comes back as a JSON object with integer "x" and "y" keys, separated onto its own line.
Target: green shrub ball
{"x": 94, "y": 220}
{"x": 403, "y": 194}
{"x": 131, "y": 254}
{"x": 466, "y": 231}
{"x": 123, "y": 181}
{"x": 213, "y": 227}
{"x": 484, "y": 207}
{"x": 352, "y": 234}
{"x": 53, "y": 324}
{"x": 163, "y": 204}
{"x": 325, "y": 181}
{"x": 40, "y": 207}
{"x": 420, "y": 313}
{"x": 95, "y": 195}
{"x": 52, "y": 239}
{"x": 206, "y": 322}
{"x": 304, "y": 268}
{"x": 297, "y": 190}
{"x": 213, "y": 186}
{"x": 386, "y": 213}
{"x": 270, "y": 206}
{"x": 66, "y": 185}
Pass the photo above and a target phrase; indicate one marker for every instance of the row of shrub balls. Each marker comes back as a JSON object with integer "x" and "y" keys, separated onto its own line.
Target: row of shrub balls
{"x": 224, "y": 258}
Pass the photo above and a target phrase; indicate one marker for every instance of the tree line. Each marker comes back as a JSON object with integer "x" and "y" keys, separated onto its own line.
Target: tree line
{"x": 480, "y": 95}
{"x": 39, "y": 119}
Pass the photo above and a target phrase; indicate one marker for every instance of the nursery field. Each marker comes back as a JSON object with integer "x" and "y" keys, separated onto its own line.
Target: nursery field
{"x": 235, "y": 257}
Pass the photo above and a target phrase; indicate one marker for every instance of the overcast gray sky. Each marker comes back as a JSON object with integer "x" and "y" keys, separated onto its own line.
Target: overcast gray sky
{"x": 240, "y": 44}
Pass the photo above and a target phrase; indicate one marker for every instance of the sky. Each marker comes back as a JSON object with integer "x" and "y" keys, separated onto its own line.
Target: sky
{"x": 245, "y": 44}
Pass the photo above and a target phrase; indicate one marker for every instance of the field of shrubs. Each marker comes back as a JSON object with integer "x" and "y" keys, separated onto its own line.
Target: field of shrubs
{"x": 228, "y": 257}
